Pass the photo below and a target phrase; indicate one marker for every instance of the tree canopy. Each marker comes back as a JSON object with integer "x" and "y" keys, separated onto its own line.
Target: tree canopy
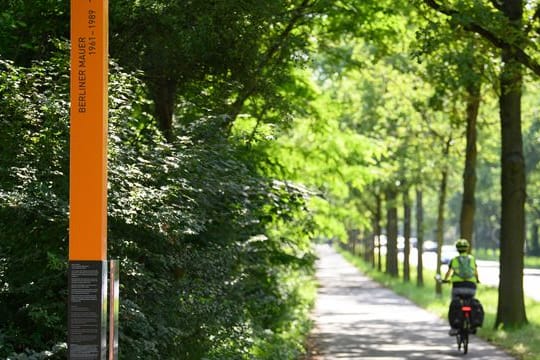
{"x": 240, "y": 133}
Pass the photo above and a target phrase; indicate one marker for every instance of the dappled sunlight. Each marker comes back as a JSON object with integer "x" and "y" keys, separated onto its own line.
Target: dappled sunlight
{"x": 357, "y": 318}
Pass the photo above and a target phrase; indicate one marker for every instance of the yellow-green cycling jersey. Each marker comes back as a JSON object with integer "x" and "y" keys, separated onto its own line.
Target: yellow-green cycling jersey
{"x": 464, "y": 268}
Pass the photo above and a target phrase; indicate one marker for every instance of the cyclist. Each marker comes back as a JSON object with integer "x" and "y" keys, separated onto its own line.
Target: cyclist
{"x": 463, "y": 273}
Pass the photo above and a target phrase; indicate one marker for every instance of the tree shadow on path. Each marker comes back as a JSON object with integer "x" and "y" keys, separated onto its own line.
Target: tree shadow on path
{"x": 356, "y": 318}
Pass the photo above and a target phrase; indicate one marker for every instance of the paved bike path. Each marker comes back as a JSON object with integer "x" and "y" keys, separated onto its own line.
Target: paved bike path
{"x": 356, "y": 318}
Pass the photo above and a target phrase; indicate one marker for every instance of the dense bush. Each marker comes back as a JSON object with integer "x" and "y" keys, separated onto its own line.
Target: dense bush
{"x": 207, "y": 268}
{"x": 33, "y": 206}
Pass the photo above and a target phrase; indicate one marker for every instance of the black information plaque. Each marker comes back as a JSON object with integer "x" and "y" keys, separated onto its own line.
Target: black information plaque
{"x": 87, "y": 313}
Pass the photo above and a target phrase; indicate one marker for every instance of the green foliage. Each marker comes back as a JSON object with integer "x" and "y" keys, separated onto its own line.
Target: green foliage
{"x": 188, "y": 222}
{"x": 29, "y": 30}
{"x": 33, "y": 207}
{"x": 242, "y": 53}
{"x": 288, "y": 340}
{"x": 271, "y": 146}
{"x": 206, "y": 266}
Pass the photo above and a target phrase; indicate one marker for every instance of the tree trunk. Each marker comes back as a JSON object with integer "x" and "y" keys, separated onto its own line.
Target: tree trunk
{"x": 440, "y": 223}
{"x": 511, "y": 306}
{"x": 378, "y": 218}
{"x": 466, "y": 221}
{"x": 406, "y": 235}
{"x": 163, "y": 92}
{"x": 391, "y": 233}
{"x": 353, "y": 241}
{"x": 367, "y": 241}
{"x": 371, "y": 244}
{"x": 440, "y": 211}
{"x": 535, "y": 242}
{"x": 419, "y": 238}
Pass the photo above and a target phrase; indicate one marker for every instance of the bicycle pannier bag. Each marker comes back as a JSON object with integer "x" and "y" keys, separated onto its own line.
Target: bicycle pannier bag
{"x": 455, "y": 316}
{"x": 477, "y": 313}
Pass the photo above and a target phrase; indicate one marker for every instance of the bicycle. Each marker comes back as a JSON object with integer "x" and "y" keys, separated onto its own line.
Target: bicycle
{"x": 465, "y": 328}
{"x": 462, "y": 337}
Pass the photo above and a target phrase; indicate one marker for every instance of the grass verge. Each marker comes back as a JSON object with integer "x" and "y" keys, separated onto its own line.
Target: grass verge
{"x": 522, "y": 343}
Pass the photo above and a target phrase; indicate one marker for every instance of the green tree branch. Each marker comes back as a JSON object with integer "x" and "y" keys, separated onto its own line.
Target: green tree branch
{"x": 518, "y": 53}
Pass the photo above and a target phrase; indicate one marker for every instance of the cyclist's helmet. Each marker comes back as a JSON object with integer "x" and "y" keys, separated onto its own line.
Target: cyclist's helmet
{"x": 462, "y": 245}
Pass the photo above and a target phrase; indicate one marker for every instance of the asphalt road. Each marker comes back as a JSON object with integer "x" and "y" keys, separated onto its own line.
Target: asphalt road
{"x": 489, "y": 274}
{"x": 355, "y": 318}
{"x": 489, "y": 271}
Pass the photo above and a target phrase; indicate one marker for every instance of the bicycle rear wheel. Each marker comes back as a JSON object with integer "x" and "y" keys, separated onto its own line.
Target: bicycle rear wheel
{"x": 462, "y": 340}
{"x": 465, "y": 341}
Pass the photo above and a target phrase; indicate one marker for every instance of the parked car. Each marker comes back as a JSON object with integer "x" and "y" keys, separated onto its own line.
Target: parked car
{"x": 430, "y": 246}
{"x": 448, "y": 252}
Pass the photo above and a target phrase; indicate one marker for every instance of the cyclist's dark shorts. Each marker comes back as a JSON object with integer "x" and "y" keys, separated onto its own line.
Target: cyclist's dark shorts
{"x": 463, "y": 288}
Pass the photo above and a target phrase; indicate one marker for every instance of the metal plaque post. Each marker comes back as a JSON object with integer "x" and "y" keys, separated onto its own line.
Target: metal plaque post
{"x": 114, "y": 307}
{"x": 87, "y": 312}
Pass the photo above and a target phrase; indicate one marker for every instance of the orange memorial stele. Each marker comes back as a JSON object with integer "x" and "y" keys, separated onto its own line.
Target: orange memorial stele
{"x": 88, "y": 133}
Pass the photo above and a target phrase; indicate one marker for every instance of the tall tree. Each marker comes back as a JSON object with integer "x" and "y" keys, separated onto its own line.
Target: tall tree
{"x": 504, "y": 28}
{"x": 407, "y": 210}
{"x": 530, "y": 146}
{"x": 378, "y": 231}
{"x": 443, "y": 185}
{"x": 391, "y": 232}
{"x": 511, "y": 306}
{"x": 466, "y": 220}
{"x": 455, "y": 69}
{"x": 235, "y": 49}
{"x": 420, "y": 236}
